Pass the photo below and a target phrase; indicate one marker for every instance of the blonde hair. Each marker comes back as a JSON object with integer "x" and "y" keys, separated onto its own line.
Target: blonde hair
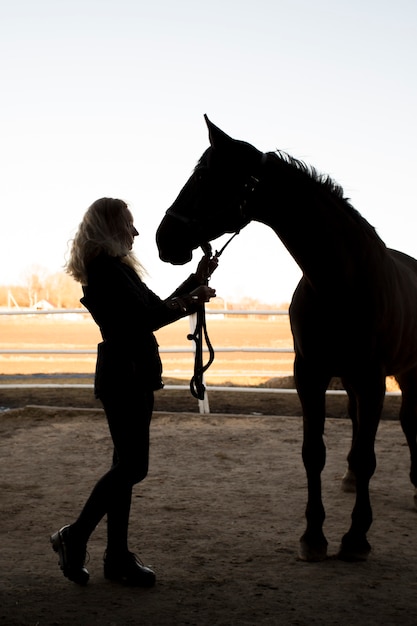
{"x": 104, "y": 228}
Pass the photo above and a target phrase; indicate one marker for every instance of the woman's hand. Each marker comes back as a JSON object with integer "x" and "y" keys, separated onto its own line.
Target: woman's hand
{"x": 202, "y": 294}
{"x": 206, "y": 267}
{"x": 198, "y": 296}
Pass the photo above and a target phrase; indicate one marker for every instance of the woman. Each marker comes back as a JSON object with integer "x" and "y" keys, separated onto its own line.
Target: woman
{"x": 128, "y": 371}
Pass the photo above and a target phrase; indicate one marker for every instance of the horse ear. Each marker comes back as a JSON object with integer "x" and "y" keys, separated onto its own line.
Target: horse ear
{"x": 216, "y": 135}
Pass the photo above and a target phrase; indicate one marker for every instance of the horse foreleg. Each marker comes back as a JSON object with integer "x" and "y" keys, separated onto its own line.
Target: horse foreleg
{"x": 313, "y": 543}
{"x": 349, "y": 481}
{"x": 355, "y": 546}
{"x": 362, "y": 461}
{"x": 312, "y": 394}
{"x": 349, "y": 478}
{"x": 410, "y": 431}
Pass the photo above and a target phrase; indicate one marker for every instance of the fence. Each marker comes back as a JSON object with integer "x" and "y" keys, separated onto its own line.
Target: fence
{"x": 203, "y": 404}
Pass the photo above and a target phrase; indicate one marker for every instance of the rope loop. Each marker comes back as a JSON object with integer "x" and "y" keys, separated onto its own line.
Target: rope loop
{"x": 197, "y": 386}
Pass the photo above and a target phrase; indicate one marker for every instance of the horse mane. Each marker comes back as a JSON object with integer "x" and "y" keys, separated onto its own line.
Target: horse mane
{"x": 329, "y": 186}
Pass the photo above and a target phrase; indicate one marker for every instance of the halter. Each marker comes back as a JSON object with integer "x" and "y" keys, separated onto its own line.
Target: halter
{"x": 244, "y": 218}
{"x": 197, "y": 386}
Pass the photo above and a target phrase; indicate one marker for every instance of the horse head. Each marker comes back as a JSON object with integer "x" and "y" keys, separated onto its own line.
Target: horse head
{"x": 214, "y": 200}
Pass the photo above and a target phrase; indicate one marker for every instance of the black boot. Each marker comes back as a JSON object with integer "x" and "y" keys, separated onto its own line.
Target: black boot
{"x": 72, "y": 556}
{"x": 128, "y": 569}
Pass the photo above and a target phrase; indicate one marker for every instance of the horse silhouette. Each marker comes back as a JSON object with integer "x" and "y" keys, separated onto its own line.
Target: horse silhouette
{"x": 353, "y": 314}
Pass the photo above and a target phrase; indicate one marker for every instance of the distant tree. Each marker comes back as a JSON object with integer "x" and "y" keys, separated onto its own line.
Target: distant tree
{"x": 63, "y": 291}
{"x": 59, "y": 289}
{"x": 35, "y": 278}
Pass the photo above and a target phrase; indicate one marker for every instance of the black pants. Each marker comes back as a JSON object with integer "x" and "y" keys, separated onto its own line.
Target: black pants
{"x": 129, "y": 417}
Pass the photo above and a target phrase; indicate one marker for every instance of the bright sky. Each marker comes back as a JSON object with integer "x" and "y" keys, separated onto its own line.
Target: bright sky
{"x": 106, "y": 98}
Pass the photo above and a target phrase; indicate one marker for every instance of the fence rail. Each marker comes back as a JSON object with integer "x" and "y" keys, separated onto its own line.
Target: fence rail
{"x": 203, "y": 404}
{"x": 172, "y": 350}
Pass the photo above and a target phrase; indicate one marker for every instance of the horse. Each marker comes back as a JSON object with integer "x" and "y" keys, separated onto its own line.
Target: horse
{"x": 353, "y": 314}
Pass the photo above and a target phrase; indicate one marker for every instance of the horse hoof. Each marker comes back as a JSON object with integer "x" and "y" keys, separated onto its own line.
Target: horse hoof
{"x": 311, "y": 553}
{"x": 354, "y": 551}
{"x": 349, "y": 482}
{"x": 352, "y": 557}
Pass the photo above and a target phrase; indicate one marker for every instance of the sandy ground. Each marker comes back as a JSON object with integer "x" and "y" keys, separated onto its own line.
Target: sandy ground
{"x": 219, "y": 519}
{"x": 219, "y": 516}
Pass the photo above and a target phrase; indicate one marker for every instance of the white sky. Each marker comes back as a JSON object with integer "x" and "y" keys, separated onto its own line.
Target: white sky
{"x": 106, "y": 97}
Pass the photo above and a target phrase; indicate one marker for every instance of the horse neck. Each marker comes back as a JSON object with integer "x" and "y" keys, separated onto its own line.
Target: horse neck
{"x": 324, "y": 238}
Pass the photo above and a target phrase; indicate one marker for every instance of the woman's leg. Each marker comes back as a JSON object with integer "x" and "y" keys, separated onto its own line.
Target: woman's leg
{"x": 131, "y": 458}
{"x": 129, "y": 419}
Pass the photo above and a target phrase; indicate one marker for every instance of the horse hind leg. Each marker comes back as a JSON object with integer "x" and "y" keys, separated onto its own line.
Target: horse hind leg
{"x": 408, "y": 419}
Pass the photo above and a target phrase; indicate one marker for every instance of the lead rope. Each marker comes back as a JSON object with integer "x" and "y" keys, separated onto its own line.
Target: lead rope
{"x": 197, "y": 386}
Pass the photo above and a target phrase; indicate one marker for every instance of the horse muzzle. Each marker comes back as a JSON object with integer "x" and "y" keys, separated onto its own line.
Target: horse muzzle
{"x": 171, "y": 247}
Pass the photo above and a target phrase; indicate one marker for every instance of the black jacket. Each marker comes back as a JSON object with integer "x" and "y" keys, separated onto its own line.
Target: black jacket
{"x": 127, "y": 312}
